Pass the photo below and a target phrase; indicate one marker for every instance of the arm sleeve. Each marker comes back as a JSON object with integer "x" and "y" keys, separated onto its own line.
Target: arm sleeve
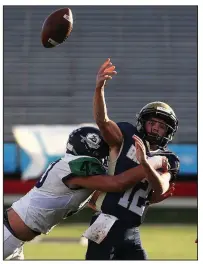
{"x": 86, "y": 166}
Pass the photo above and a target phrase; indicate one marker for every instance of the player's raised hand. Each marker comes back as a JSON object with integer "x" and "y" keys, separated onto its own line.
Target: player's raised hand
{"x": 106, "y": 71}
{"x": 140, "y": 150}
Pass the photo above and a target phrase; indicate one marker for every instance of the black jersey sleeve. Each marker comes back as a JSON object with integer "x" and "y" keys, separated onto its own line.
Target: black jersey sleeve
{"x": 174, "y": 165}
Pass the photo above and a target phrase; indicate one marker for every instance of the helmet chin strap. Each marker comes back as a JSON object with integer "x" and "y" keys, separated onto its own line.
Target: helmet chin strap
{"x": 153, "y": 139}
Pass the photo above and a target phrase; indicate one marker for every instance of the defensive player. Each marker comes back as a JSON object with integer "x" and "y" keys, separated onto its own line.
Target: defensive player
{"x": 156, "y": 125}
{"x": 65, "y": 188}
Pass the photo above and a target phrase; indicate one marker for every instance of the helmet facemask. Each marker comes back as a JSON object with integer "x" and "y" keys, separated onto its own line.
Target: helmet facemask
{"x": 154, "y": 138}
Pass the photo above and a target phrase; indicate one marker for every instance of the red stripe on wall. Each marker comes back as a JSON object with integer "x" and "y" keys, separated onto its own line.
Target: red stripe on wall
{"x": 22, "y": 187}
{"x": 186, "y": 189}
{"x": 18, "y": 186}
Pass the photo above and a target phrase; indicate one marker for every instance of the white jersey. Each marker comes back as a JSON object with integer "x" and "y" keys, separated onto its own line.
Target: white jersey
{"x": 51, "y": 200}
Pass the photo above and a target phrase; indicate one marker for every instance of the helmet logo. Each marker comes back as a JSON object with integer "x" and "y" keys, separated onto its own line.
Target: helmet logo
{"x": 163, "y": 109}
{"x": 92, "y": 140}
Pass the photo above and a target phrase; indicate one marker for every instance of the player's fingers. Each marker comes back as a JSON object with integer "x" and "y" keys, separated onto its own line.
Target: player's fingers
{"x": 104, "y": 77}
{"x": 107, "y": 62}
{"x": 170, "y": 191}
{"x": 139, "y": 147}
{"x": 138, "y": 139}
{"x": 107, "y": 66}
{"x": 140, "y": 142}
{"x": 107, "y": 77}
{"x": 165, "y": 164}
{"x": 167, "y": 194}
{"x": 109, "y": 73}
{"x": 110, "y": 69}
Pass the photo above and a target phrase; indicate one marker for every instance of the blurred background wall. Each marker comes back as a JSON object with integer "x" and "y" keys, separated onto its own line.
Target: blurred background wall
{"x": 155, "y": 51}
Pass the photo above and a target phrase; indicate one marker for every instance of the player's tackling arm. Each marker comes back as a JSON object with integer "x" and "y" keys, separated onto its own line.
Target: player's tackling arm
{"x": 107, "y": 183}
{"x": 117, "y": 183}
{"x": 109, "y": 129}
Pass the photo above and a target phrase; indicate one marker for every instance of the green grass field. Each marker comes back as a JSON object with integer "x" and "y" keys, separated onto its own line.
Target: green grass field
{"x": 162, "y": 242}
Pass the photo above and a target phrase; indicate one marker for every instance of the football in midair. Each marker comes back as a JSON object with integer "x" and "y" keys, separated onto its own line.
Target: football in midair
{"x": 57, "y": 27}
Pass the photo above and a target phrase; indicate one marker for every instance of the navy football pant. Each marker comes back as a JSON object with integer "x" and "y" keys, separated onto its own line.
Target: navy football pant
{"x": 121, "y": 244}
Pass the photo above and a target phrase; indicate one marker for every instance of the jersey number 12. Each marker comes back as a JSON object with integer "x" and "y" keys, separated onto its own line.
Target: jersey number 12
{"x": 135, "y": 198}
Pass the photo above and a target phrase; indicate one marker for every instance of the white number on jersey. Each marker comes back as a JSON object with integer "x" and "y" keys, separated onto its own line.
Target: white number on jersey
{"x": 136, "y": 204}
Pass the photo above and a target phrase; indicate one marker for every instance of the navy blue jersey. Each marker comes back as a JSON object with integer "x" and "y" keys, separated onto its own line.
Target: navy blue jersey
{"x": 129, "y": 206}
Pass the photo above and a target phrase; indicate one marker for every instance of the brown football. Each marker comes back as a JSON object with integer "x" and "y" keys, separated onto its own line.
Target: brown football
{"x": 57, "y": 27}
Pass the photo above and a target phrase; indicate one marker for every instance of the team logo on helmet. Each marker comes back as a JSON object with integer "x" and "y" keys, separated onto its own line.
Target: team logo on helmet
{"x": 92, "y": 140}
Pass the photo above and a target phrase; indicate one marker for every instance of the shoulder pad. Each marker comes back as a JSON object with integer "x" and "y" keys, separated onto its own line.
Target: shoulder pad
{"x": 86, "y": 166}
